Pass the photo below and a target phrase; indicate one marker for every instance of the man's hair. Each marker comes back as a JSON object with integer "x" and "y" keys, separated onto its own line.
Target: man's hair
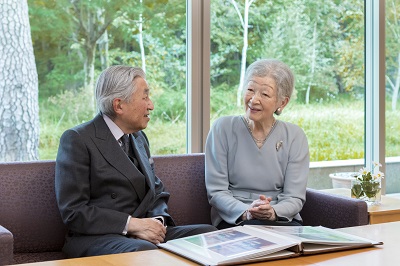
{"x": 116, "y": 82}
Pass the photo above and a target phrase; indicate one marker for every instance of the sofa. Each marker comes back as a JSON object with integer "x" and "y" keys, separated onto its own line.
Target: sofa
{"x": 31, "y": 228}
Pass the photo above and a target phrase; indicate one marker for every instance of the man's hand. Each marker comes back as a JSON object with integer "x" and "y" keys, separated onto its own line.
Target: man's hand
{"x": 262, "y": 210}
{"x": 148, "y": 229}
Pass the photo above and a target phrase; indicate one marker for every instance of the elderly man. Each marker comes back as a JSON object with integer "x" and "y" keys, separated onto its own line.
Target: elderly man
{"x": 107, "y": 192}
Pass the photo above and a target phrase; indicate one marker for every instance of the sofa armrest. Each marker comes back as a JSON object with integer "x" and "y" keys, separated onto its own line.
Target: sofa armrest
{"x": 333, "y": 211}
{"x": 6, "y": 246}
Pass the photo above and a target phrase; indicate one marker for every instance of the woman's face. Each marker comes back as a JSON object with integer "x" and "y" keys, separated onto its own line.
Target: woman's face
{"x": 261, "y": 99}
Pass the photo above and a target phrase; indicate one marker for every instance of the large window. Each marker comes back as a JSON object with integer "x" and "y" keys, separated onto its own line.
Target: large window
{"x": 323, "y": 43}
{"x": 88, "y": 36}
{"x": 195, "y": 52}
{"x": 392, "y": 139}
{"x": 336, "y": 51}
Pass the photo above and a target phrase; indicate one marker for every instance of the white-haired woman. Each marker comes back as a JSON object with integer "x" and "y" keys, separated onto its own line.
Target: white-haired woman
{"x": 257, "y": 166}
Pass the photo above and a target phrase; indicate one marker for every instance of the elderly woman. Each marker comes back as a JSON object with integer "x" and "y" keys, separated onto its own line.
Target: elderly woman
{"x": 257, "y": 166}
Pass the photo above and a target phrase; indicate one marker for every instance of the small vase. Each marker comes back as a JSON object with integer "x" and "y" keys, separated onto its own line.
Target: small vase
{"x": 356, "y": 189}
{"x": 370, "y": 191}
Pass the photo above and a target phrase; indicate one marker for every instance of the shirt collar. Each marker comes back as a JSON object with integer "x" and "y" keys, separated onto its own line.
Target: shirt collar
{"x": 115, "y": 130}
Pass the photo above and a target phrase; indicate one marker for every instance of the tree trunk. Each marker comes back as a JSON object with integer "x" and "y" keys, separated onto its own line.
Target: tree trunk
{"x": 339, "y": 82}
{"x": 90, "y": 49}
{"x": 19, "y": 110}
{"x": 141, "y": 40}
{"x": 396, "y": 86}
{"x": 103, "y": 50}
{"x": 244, "y": 56}
{"x": 103, "y": 43}
{"x": 313, "y": 59}
{"x": 245, "y": 26}
{"x": 91, "y": 24}
{"x": 89, "y": 70}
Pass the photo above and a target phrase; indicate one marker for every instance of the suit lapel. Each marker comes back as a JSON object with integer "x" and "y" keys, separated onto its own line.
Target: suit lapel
{"x": 143, "y": 159}
{"x": 108, "y": 146}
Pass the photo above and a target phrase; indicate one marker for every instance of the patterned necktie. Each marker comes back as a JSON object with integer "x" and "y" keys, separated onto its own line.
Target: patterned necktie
{"x": 125, "y": 143}
{"x": 126, "y": 147}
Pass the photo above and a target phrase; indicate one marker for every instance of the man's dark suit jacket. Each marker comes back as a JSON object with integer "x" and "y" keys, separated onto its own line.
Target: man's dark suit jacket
{"x": 97, "y": 186}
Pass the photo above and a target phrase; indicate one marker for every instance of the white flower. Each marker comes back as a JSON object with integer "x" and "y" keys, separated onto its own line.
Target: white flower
{"x": 364, "y": 171}
{"x": 366, "y": 175}
{"x": 378, "y": 175}
{"x": 377, "y": 164}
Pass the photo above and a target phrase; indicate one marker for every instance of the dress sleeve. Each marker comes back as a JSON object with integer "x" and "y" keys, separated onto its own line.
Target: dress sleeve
{"x": 293, "y": 196}
{"x": 217, "y": 176}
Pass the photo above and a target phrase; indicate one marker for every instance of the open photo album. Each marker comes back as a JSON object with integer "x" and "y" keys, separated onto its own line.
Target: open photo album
{"x": 245, "y": 244}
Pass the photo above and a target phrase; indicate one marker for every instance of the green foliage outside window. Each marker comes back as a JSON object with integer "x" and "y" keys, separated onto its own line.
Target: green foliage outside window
{"x": 323, "y": 42}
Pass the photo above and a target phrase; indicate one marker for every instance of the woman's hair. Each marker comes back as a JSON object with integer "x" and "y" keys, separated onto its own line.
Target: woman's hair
{"x": 116, "y": 82}
{"x": 275, "y": 69}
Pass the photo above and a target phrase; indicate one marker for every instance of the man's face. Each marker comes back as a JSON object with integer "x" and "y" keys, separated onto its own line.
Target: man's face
{"x": 134, "y": 115}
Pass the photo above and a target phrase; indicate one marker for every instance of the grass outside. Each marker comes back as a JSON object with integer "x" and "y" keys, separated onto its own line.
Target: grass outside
{"x": 335, "y": 131}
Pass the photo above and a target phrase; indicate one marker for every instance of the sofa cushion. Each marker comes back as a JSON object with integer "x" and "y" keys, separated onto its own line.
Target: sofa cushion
{"x": 28, "y": 206}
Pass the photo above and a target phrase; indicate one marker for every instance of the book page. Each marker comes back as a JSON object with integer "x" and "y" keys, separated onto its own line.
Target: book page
{"x": 321, "y": 235}
{"x": 319, "y": 239}
{"x": 229, "y": 245}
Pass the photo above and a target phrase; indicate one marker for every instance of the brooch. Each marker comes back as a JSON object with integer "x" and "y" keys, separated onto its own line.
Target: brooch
{"x": 279, "y": 145}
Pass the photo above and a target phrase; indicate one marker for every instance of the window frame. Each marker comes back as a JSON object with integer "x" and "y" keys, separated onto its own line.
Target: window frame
{"x": 198, "y": 79}
{"x": 198, "y": 75}
{"x": 375, "y": 91}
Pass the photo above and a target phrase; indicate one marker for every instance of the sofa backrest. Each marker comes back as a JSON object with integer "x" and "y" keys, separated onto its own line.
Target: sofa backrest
{"x": 183, "y": 177}
{"x": 28, "y": 206}
{"x": 333, "y": 211}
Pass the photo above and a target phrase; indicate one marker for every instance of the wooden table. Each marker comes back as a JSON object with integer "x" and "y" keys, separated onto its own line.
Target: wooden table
{"x": 387, "y": 211}
{"x": 383, "y": 255}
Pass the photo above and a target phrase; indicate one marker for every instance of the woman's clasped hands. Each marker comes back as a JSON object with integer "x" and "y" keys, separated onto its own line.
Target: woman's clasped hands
{"x": 261, "y": 209}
